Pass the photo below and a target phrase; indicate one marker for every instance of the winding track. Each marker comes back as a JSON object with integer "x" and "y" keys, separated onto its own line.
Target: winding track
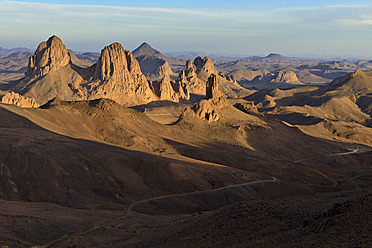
{"x": 127, "y": 213}
{"x": 351, "y": 151}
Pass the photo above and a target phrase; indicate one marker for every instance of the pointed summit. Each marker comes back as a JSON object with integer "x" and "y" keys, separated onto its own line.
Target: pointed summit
{"x": 114, "y": 62}
{"x": 146, "y": 49}
{"x": 205, "y": 65}
{"x": 50, "y": 56}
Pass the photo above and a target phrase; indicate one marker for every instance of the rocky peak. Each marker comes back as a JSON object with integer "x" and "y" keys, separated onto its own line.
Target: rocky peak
{"x": 146, "y": 49}
{"x": 170, "y": 90}
{"x": 274, "y": 57}
{"x": 117, "y": 76}
{"x": 208, "y": 109}
{"x": 190, "y": 69}
{"x": 205, "y": 64}
{"x": 248, "y": 107}
{"x": 212, "y": 90}
{"x": 50, "y": 56}
{"x": 114, "y": 62}
{"x": 165, "y": 91}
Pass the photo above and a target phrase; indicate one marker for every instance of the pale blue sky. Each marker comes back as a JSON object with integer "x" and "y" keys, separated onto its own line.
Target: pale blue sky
{"x": 323, "y": 28}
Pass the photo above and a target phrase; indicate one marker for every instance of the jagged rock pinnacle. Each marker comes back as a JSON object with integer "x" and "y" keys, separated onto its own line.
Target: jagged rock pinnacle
{"x": 50, "y": 56}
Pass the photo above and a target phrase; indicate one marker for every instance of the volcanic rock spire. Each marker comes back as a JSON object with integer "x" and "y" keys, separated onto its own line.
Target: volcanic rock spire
{"x": 50, "y": 56}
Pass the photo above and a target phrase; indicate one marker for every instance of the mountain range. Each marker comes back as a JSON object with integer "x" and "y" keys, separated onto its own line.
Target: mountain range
{"x": 137, "y": 149}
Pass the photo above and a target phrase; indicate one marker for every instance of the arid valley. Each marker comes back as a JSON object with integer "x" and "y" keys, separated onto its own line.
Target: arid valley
{"x": 128, "y": 153}
{"x": 144, "y": 148}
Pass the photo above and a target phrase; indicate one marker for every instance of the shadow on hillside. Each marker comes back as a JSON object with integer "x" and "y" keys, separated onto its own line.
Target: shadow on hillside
{"x": 44, "y": 166}
{"x": 157, "y": 104}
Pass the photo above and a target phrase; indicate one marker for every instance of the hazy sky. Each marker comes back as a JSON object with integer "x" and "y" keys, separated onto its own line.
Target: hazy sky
{"x": 250, "y": 27}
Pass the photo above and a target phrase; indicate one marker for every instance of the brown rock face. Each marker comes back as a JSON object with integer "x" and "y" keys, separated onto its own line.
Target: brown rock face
{"x": 231, "y": 78}
{"x": 247, "y": 107}
{"x": 182, "y": 89}
{"x": 19, "y": 100}
{"x": 207, "y": 109}
{"x": 164, "y": 90}
{"x": 212, "y": 89}
{"x": 190, "y": 69}
{"x": 117, "y": 76}
{"x": 170, "y": 90}
{"x": 205, "y": 65}
{"x": 115, "y": 62}
{"x": 288, "y": 77}
{"x": 197, "y": 73}
{"x": 49, "y": 56}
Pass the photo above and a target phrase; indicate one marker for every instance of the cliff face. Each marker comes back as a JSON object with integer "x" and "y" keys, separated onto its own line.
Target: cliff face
{"x": 49, "y": 56}
{"x": 208, "y": 108}
{"x": 19, "y": 100}
{"x": 117, "y": 76}
{"x": 170, "y": 90}
{"x": 204, "y": 67}
{"x": 197, "y": 72}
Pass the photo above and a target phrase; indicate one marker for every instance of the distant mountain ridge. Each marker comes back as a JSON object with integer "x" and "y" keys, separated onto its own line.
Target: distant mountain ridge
{"x": 6, "y": 52}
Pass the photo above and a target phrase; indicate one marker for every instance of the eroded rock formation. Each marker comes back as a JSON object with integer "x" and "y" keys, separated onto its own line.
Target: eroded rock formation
{"x": 170, "y": 90}
{"x": 50, "y": 56}
{"x": 19, "y": 100}
{"x": 247, "y": 107}
{"x": 286, "y": 77}
{"x": 215, "y": 100}
{"x": 116, "y": 75}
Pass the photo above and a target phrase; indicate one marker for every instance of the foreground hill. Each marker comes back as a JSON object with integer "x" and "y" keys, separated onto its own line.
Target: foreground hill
{"x": 122, "y": 169}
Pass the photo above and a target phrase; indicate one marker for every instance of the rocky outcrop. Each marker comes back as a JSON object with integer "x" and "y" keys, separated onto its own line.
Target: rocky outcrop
{"x": 231, "y": 79}
{"x": 19, "y": 100}
{"x": 190, "y": 71}
{"x": 117, "y": 76}
{"x": 182, "y": 90}
{"x": 49, "y": 56}
{"x": 286, "y": 77}
{"x": 197, "y": 73}
{"x": 205, "y": 66}
{"x": 212, "y": 90}
{"x": 170, "y": 90}
{"x": 247, "y": 107}
{"x": 208, "y": 109}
